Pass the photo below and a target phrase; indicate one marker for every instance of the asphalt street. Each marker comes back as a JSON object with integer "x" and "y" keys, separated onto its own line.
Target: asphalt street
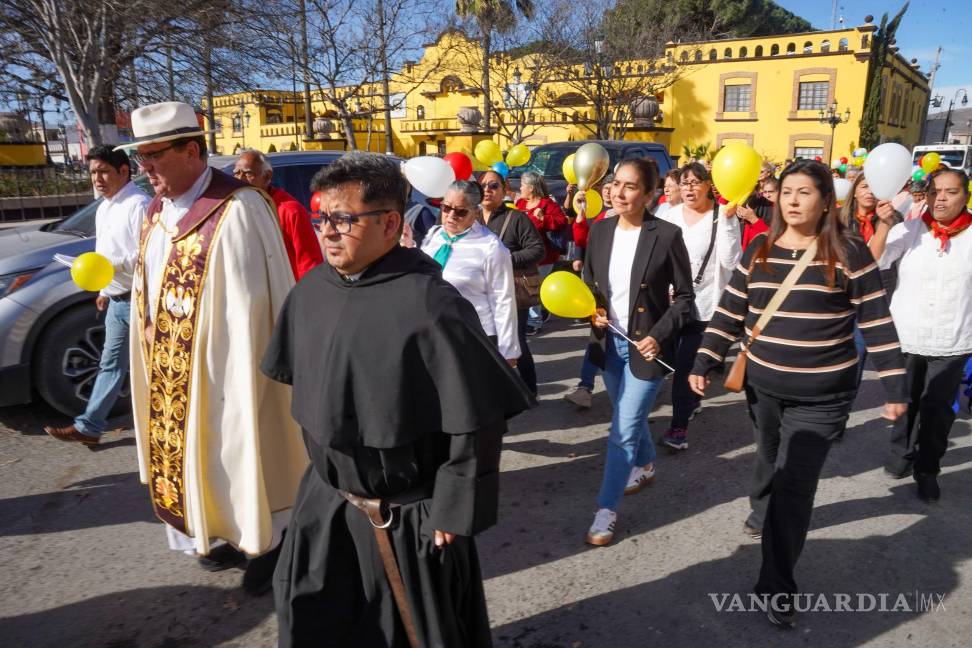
{"x": 85, "y": 563}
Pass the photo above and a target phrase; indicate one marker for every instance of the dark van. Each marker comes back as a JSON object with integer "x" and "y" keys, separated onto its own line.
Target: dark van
{"x": 548, "y": 160}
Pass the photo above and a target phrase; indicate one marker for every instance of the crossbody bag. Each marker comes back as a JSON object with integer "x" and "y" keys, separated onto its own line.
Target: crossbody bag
{"x": 526, "y": 281}
{"x": 737, "y": 374}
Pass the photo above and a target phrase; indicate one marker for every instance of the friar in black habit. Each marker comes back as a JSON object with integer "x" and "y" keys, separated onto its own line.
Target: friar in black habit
{"x": 403, "y": 402}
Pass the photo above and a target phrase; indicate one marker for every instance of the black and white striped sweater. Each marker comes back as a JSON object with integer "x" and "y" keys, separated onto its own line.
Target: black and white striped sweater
{"x": 807, "y": 349}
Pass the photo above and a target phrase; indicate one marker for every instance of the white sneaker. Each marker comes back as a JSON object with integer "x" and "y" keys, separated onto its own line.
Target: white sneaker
{"x": 639, "y": 478}
{"x": 602, "y": 531}
{"x": 580, "y": 396}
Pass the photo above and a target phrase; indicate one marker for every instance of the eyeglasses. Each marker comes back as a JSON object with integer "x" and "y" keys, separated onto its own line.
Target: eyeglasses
{"x": 249, "y": 173}
{"x": 342, "y": 221}
{"x": 459, "y": 212}
{"x": 153, "y": 156}
{"x": 492, "y": 186}
{"x": 690, "y": 185}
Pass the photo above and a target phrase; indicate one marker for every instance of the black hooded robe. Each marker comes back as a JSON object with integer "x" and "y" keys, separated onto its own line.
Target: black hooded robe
{"x": 400, "y": 395}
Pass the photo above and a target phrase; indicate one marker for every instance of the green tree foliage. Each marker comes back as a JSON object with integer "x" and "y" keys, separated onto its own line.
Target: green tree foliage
{"x": 874, "y": 92}
{"x": 737, "y": 18}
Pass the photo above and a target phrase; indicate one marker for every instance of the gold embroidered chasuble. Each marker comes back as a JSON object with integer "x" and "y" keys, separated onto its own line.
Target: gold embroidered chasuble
{"x": 217, "y": 445}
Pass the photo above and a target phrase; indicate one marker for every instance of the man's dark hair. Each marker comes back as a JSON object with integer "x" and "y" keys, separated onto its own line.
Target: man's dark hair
{"x": 107, "y": 154}
{"x": 198, "y": 139}
{"x": 381, "y": 179}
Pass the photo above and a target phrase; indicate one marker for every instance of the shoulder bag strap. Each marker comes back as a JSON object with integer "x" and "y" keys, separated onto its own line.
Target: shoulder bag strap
{"x": 708, "y": 253}
{"x": 777, "y": 299}
{"x": 506, "y": 223}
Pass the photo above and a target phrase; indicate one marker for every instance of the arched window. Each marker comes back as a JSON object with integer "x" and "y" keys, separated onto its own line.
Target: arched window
{"x": 712, "y": 55}
{"x": 791, "y": 49}
{"x": 865, "y": 42}
{"x": 420, "y": 112}
{"x": 775, "y": 50}
{"x": 743, "y": 52}
{"x": 728, "y": 53}
{"x": 641, "y": 69}
{"x": 698, "y": 56}
{"x": 842, "y": 47}
{"x": 808, "y": 48}
{"x": 627, "y": 70}
{"x": 759, "y": 50}
{"x": 450, "y": 84}
{"x": 684, "y": 57}
{"x": 825, "y": 46}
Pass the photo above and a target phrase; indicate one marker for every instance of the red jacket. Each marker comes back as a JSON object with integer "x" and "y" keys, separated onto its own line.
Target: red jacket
{"x": 582, "y": 230}
{"x": 299, "y": 237}
{"x": 550, "y": 219}
{"x": 750, "y": 230}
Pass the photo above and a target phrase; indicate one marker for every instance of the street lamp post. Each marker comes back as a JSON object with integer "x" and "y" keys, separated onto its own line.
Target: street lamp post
{"x": 948, "y": 115}
{"x": 834, "y": 119}
{"x": 244, "y": 121}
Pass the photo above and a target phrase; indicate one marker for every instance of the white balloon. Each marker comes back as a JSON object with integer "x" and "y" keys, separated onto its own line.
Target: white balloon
{"x": 430, "y": 175}
{"x": 842, "y": 189}
{"x": 835, "y": 163}
{"x": 887, "y": 169}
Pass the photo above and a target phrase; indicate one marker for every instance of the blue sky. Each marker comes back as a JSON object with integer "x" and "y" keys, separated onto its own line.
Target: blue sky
{"x": 926, "y": 25}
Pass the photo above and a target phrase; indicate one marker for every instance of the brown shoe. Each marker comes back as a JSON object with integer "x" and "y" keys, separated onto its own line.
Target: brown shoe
{"x": 71, "y": 433}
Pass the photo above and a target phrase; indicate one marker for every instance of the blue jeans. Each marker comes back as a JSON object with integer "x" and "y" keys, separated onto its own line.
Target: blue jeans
{"x": 114, "y": 368}
{"x": 629, "y": 441}
{"x": 861, "y": 347}
{"x": 588, "y": 372}
{"x": 536, "y": 312}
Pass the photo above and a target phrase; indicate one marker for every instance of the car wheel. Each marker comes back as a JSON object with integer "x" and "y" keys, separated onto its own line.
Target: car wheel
{"x": 66, "y": 361}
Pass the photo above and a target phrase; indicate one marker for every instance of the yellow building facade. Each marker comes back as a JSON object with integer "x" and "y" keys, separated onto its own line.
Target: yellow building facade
{"x": 767, "y": 92}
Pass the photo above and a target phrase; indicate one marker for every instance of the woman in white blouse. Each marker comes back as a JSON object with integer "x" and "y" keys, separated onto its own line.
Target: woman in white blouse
{"x": 713, "y": 239}
{"x": 475, "y": 261}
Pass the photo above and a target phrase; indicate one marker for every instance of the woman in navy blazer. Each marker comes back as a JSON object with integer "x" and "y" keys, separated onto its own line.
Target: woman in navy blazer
{"x": 639, "y": 270}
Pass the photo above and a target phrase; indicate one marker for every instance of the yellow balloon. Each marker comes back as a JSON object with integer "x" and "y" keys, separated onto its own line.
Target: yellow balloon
{"x": 969, "y": 204}
{"x": 930, "y": 162}
{"x": 518, "y": 156}
{"x": 568, "y": 169}
{"x": 488, "y": 152}
{"x": 92, "y": 272}
{"x": 564, "y": 294}
{"x": 735, "y": 171}
{"x": 591, "y": 162}
{"x": 594, "y": 203}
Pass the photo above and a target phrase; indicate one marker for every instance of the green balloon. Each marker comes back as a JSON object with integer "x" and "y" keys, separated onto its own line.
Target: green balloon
{"x": 842, "y": 168}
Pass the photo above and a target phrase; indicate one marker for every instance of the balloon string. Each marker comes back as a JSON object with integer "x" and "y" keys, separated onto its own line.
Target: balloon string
{"x": 656, "y": 359}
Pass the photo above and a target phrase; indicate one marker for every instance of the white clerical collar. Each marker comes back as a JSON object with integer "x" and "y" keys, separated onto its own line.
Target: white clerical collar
{"x": 186, "y": 200}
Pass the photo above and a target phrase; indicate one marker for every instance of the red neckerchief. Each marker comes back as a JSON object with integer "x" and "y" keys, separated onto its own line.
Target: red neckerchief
{"x": 944, "y": 232}
{"x": 865, "y": 225}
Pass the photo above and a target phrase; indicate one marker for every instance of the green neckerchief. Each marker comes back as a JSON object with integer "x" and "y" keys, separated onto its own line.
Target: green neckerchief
{"x": 445, "y": 250}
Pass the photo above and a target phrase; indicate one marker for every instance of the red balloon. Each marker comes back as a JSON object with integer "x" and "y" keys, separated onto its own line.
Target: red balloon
{"x": 843, "y": 160}
{"x": 921, "y": 159}
{"x": 315, "y": 202}
{"x": 461, "y": 164}
{"x": 818, "y": 158}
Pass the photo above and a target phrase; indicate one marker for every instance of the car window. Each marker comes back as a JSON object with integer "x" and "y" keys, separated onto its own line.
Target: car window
{"x": 295, "y": 179}
{"x": 632, "y": 152}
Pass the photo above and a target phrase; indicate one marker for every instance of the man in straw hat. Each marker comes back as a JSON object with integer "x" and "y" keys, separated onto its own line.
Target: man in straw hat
{"x": 216, "y": 443}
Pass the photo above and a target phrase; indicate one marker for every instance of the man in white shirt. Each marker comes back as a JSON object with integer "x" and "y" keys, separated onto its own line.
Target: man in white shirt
{"x": 932, "y": 311}
{"x": 117, "y": 224}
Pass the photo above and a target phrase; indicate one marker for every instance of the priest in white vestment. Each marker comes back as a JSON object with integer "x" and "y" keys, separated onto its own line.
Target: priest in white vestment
{"x": 217, "y": 445}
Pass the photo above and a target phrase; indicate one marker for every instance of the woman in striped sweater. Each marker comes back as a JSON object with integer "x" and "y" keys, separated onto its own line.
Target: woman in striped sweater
{"x": 802, "y": 370}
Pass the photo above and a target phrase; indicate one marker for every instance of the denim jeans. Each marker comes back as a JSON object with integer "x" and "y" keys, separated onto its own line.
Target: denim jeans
{"x": 588, "y": 373}
{"x": 113, "y": 369}
{"x": 536, "y": 312}
{"x": 861, "y": 348}
{"x": 629, "y": 441}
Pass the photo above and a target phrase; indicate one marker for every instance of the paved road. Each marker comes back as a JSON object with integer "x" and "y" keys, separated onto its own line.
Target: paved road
{"x": 84, "y": 563}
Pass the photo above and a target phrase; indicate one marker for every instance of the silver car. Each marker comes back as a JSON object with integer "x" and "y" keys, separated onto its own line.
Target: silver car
{"x": 51, "y": 334}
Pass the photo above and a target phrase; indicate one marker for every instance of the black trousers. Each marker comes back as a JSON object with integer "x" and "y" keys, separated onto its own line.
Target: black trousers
{"x": 524, "y": 365}
{"x": 792, "y": 441}
{"x": 684, "y": 400}
{"x": 919, "y": 440}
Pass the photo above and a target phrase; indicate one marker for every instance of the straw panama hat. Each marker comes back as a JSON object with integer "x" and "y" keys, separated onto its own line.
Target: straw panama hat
{"x": 163, "y": 122}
